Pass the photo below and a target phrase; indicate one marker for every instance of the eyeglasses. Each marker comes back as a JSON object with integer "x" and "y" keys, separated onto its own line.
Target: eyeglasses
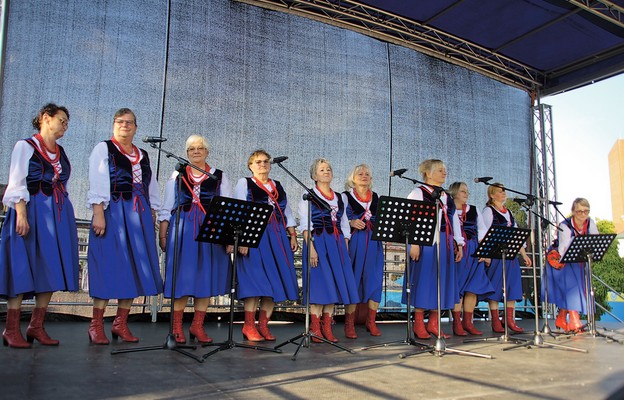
{"x": 258, "y": 162}
{"x": 192, "y": 149}
{"x": 581, "y": 212}
{"x": 124, "y": 122}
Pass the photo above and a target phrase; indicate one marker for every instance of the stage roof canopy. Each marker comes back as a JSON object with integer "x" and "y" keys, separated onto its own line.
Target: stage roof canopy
{"x": 542, "y": 46}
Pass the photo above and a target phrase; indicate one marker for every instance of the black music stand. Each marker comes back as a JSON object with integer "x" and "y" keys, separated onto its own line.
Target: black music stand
{"x": 407, "y": 221}
{"x": 234, "y": 222}
{"x": 502, "y": 242}
{"x": 585, "y": 249}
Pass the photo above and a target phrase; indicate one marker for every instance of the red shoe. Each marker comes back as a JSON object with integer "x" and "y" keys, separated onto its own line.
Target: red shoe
{"x": 326, "y": 328}
{"x": 349, "y": 327}
{"x": 96, "y": 328}
{"x": 197, "y": 328}
{"x": 263, "y": 327}
{"x": 468, "y": 326}
{"x": 250, "y": 332}
{"x": 419, "y": 325}
{"x": 371, "y": 325}
{"x": 178, "y": 332}
{"x": 497, "y": 326}
{"x": 315, "y": 328}
{"x": 432, "y": 325}
{"x": 37, "y": 331}
{"x": 120, "y": 326}
{"x": 12, "y": 335}
{"x": 561, "y": 321}
{"x": 458, "y": 329}
{"x": 575, "y": 324}
{"x": 511, "y": 323}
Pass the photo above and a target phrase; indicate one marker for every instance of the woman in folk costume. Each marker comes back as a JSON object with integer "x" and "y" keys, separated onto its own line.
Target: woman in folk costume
{"x": 367, "y": 255}
{"x": 566, "y": 285}
{"x": 203, "y": 269}
{"x": 266, "y": 274}
{"x": 472, "y": 280}
{"x": 39, "y": 243}
{"x": 496, "y": 214}
{"x": 424, "y": 259}
{"x": 331, "y": 275}
{"x": 122, "y": 255}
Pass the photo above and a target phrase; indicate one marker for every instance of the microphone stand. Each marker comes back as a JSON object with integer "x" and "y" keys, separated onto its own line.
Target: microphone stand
{"x": 440, "y": 347}
{"x": 306, "y": 335}
{"x": 170, "y": 341}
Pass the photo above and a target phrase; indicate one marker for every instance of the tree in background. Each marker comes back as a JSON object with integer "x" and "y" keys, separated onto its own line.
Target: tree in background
{"x": 610, "y": 269}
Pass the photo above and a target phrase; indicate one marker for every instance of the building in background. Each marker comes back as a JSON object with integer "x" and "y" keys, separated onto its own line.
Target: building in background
{"x": 616, "y": 176}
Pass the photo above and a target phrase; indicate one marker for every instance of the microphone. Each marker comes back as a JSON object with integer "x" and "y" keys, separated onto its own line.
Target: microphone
{"x": 519, "y": 201}
{"x": 555, "y": 203}
{"x": 398, "y": 172}
{"x": 277, "y": 160}
{"x": 483, "y": 179}
{"x": 153, "y": 139}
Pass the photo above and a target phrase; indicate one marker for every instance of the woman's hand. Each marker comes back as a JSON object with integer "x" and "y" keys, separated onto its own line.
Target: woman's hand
{"x": 229, "y": 249}
{"x": 414, "y": 252}
{"x": 243, "y": 250}
{"x": 294, "y": 245}
{"x": 21, "y": 221}
{"x": 459, "y": 254}
{"x": 357, "y": 224}
{"x": 98, "y": 223}
{"x": 313, "y": 256}
{"x": 527, "y": 260}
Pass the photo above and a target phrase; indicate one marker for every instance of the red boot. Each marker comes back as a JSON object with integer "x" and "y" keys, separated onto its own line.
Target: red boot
{"x": 575, "y": 324}
{"x": 263, "y": 327}
{"x": 197, "y": 328}
{"x": 36, "y": 330}
{"x": 371, "y": 326}
{"x": 96, "y": 329}
{"x": 120, "y": 326}
{"x": 315, "y": 328}
{"x": 349, "y": 327}
{"x": 12, "y": 335}
{"x": 419, "y": 325}
{"x": 458, "y": 329}
{"x": 468, "y": 326}
{"x": 497, "y": 326}
{"x": 511, "y": 323}
{"x": 561, "y": 321}
{"x": 178, "y": 332}
{"x": 249, "y": 329}
{"x": 326, "y": 328}
{"x": 432, "y": 325}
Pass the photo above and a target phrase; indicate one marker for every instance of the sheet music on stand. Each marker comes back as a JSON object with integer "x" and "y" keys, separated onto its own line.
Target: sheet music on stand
{"x": 226, "y": 215}
{"x": 395, "y": 216}
{"x": 584, "y": 245}
{"x": 499, "y": 239}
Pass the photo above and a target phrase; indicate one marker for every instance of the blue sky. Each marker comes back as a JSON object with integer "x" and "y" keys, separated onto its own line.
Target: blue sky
{"x": 586, "y": 124}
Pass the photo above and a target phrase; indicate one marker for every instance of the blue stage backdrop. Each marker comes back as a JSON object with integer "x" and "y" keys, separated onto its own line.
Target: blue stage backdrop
{"x": 250, "y": 78}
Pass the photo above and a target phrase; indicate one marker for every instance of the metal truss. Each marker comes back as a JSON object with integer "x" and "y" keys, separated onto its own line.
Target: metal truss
{"x": 604, "y": 9}
{"x": 426, "y": 39}
{"x": 545, "y": 182}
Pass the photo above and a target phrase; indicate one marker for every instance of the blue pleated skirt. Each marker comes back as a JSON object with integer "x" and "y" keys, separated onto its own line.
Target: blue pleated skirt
{"x": 123, "y": 263}
{"x": 332, "y": 280}
{"x": 423, "y": 276}
{"x": 471, "y": 276}
{"x": 367, "y": 258}
{"x": 269, "y": 269}
{"x": 514, "y": 280}
{"x": 566, "y": 287}
{"x": 46, "y": 259}
{"x": 204, "y": 269}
